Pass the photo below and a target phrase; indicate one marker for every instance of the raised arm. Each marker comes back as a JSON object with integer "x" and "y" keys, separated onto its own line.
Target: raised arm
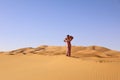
{"x": 71, "y": 38}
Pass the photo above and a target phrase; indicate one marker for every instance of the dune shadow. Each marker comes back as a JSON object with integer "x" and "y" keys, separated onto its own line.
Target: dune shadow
{"x": 75, "y": 57}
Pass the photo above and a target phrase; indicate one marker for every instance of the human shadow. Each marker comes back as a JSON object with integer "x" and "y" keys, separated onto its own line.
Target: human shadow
{"x": 75, "y": 57}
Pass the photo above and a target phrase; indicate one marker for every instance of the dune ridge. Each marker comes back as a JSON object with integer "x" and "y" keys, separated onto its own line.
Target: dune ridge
{"x": 77, "y": 51}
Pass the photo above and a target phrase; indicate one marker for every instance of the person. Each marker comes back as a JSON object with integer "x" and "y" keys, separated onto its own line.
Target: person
{"x": 68, "y": 40}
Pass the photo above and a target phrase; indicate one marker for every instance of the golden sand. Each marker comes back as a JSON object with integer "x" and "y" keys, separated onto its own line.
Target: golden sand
{"x": 86, "y": 63}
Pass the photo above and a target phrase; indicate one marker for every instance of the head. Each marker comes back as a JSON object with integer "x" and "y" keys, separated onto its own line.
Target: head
{"x": 68, "y": 36}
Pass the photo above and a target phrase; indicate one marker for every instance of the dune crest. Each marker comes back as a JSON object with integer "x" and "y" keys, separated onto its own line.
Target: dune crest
{"x": 77, "y": 51}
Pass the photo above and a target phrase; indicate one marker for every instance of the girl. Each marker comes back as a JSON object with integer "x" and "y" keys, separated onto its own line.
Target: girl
{"x": 68, "y": 40}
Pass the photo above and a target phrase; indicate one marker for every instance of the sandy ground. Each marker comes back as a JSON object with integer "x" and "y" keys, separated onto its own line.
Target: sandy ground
{"x": 58, "y": 67}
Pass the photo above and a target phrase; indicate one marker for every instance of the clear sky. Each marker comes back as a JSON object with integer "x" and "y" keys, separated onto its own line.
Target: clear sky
{"x": 31, "y": 23}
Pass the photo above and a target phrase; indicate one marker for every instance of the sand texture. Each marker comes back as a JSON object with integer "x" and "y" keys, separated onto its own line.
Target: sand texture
{"x": 50, "y": 63}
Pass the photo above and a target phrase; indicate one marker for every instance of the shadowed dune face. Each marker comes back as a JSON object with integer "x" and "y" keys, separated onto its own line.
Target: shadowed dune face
{"x": 77, "y": 51}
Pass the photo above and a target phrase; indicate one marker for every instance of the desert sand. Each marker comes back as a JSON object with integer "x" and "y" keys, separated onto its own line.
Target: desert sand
{"x": 50, "y": 63}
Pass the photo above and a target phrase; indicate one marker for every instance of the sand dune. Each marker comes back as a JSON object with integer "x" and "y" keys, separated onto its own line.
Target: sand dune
{"x": 77, "y": 51}
{"x": 50, "y": 63}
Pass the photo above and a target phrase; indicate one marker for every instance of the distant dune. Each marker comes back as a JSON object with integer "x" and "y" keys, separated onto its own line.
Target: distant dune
{"x": 77, "y": 51}
{"x": 50, "y": 63}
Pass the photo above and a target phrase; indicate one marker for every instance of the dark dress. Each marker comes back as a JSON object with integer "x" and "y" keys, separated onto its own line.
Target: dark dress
{"x": 68, "y": 42}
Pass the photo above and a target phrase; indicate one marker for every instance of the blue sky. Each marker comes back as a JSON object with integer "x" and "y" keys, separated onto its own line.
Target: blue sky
{"x": 31, "y": 23}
